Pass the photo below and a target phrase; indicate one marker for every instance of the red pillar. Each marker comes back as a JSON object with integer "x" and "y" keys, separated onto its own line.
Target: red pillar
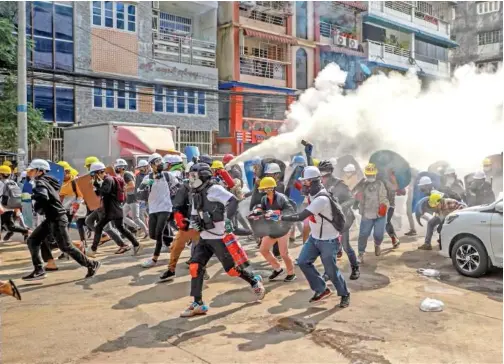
{"x": 236, "y": 116}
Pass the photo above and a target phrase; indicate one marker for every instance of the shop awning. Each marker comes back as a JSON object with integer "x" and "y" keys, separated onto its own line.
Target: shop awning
{"x": 271, "y": 37}
{"x": 146, "y": 140}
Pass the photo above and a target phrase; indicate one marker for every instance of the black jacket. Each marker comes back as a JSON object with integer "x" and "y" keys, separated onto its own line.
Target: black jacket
{"x": 480, "y": 196}
{"x": 47, "y": 199}
{"x": 108, "y": 193}
{"x": 339, "y": 189}
{"x": 181, "y": 201}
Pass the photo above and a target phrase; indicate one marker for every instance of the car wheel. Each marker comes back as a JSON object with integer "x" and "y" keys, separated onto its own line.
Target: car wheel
{"x": 469, "y": 257}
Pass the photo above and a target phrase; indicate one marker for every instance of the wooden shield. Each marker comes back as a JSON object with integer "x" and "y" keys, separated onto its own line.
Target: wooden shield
{"x": 86, "y": 187}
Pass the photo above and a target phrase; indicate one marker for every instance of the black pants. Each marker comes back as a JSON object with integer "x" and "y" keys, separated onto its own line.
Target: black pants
{"x": 8, "y": 220}
{"x": 200, "y": 257}
{"x": 389, "y": 227}
{"x": 93, "y": 218}
{"x": 157, "y": 224}
{"x": 118, "y": 223}
{"x": 81, "y": 222}
{"x": 58, "y": 229}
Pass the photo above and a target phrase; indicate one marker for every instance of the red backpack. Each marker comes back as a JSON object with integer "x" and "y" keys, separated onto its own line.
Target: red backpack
{"x": 120, "y": 190}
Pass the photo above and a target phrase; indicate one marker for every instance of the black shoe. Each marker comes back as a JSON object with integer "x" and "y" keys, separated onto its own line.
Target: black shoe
{"x": 345, "y": 301}
{"x": 36, "y": 275}
{"x": 317, "y": 297}
{"x": 290, "y": 278}
{"x": 355, "y": 273}
{"x": 167, "y": 276}
{"x": 92, "y": 270}
{"x": 275, "y": 274}
{"x": 8, "y": 236}
{"x": 411, "y": 233}
{"x": 64, "y": 256}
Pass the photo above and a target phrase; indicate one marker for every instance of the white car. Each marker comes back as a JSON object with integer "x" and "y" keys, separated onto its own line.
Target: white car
{"x": 472, "y": 238}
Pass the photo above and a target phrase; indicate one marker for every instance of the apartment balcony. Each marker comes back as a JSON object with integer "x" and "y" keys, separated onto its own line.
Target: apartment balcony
{"x": 270, "y": 16}
{"x": 490, "y": 51}
{"x": 409, "y": 16}
{"x": 432, "y": 67}
{"x": 339, "y": 39}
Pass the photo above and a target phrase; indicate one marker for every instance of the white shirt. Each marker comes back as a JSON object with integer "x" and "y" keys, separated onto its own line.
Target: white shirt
{"x": 321, "y": 204}
{"x": 219, "y": 194}
{"x": 159, "y": 196}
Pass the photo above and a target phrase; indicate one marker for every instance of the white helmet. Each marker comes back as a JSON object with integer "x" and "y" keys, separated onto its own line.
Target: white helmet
{"x": 310, "y": 172}
{"x": 142, "y": 163}
{"x": 479, "y": 175}
{"x": 120, "y": 163}
{"x": 153, "y": 157}
{"x": 424, "y": 181}
{"x": 184, "y": 158}
{"x": 449, "y": 170}
{"x": 97, "y": 166}
{"x": 349, "y": 168}
{"x": 272, "y": 168}
{"x": 172, "y": 159}
{"x": 39, "y": 164}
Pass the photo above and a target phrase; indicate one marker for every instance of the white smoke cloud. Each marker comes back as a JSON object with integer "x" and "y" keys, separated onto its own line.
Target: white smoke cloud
{"x": 457, "y": 120}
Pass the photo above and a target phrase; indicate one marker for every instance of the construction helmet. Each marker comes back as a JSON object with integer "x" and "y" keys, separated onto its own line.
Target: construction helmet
{"x": 217, "y": 165}
{"x": 66, "y": 166}
{"x": 172, "y": 159}
{"x": 203, "y": 170}
{"x": 89, "y": 161}
{"x": 142, "y": 163}
{"x": 267, "y": 182}
{"x": 5, "y": 169}
{"x": 435, "y": 198}
{"x": 449, "y": 170}
{"x": 479, "y": 175}
{"x": 227, "y": 158}
{"x": 316, "y": 162}
{"x": 39, "y": 164}
{"x": 298, "y": 160}
{"x": 7, "y": 163}
{"x": 96, "y": 167}
{"x": 310, "y": 172}
{"x": 205, "y": 158}
{"x": 326, "y": 167}
{"x": 349, "y": 168}
{"x": 154, "y": 157}
{"x": 74, "y": 172}
{"x": 487, "y": 162}
{"x": 272, "y": 168}
{"x": 424, "y": 181}
{"x": 371, "y": 170}
{"x": 120, "y": 163}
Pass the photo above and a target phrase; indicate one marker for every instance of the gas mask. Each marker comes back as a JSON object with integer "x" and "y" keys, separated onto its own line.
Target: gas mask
{"x": 476, "y": 185}
{"x": 194, "y": 180}
{"x": 311, "y": 187}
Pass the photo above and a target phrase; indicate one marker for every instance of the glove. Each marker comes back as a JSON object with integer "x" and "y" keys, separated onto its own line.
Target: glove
{"x": 382, "y": 210}
{"x": 180, "y": 220}
{"x": 150, "y": 182}
{"x": 228, "y": 226}
{"x": 257, "y": 211}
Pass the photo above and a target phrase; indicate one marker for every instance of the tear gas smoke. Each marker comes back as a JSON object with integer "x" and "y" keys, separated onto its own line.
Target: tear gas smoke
{"x": 457, "y": 120}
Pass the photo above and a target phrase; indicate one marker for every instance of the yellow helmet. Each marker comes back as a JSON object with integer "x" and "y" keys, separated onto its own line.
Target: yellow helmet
{"x": 89, "y": 161}
{"x": 435, "y": 198}
{"x": 487, "y": 162}
{"x": 370, "y": 170}
{"x": 217, "y": 165}
{"x": 73, "y": 172}
{"x": 316, "y": 162}
{"x": 4, "y": 169}
{"x": 267, "y": 182}
{"x": 65, "y": 165}
{"x": 7, "y": 163}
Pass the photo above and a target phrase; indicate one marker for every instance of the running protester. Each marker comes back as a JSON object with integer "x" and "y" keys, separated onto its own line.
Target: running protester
{"x": 213, "y": 207}
{"x": 142, "y": 195}
{"x": 323, "y": 239}
{"x": 10, "y": 193}
{"x": 47, "y": 203}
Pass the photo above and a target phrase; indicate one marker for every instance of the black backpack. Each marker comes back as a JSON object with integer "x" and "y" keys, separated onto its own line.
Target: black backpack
{"x": 338, "y": 221}
{"x": 11, "y": 197}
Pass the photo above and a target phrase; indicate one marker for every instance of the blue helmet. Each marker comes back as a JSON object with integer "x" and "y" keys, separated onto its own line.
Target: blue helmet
{"x": 298, "y": 160}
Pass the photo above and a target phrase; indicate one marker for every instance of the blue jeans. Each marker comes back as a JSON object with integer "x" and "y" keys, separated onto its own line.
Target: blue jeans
{"x": 345, "y": 241}
{"x": 366, "y": 225}
{"x": 327, "y": 250}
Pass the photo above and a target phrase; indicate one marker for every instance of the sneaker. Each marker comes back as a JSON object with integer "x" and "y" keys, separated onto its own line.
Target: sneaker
{"x": 317, "y": 297}
{"x": 411, "y": 233}
{"x": 195, "y": 309}
{"x": 92, "y": 270}
{"x": 325, "y": 277}
{"x": 149, "y": 263}
{"x": 395, "y": 242}
{"x": 36, "y": 275}
{"x": 290, "y": 278}
{"x": 360, "y": 258}
{"x": 355, "y": 273}
{"x": 167, "y": 276}
{"x": 275, "y": 274}
{"x": 8, "y": 236}
{"x": 345, "y": 301}
{"x": 90, "y": 252}
{"x": 377, "y": 250}
{"x": 425, "y": 246}
{"x": 137, "y": 249}
{"x": 259, "y": 290}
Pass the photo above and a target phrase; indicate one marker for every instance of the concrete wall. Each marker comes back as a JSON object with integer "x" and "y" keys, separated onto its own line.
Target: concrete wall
{"x": 225, "y": 12}
{"x": 466, "y": 26}
{"x": 225, "y": 52}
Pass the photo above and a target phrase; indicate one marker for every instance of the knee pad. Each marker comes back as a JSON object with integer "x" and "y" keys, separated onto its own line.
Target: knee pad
{"x": 194, "y": 269}
{"x": 233, "y": 272}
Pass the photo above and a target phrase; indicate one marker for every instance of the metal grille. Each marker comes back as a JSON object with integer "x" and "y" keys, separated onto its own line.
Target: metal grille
{"x": 262, "y": 68}
{"x": 174, "y": 23}
{"x": 200, "y": 138}
{"x": 264, "y": 17}
{"x": 180, "y": 49}
{"x": 264, "y": 51}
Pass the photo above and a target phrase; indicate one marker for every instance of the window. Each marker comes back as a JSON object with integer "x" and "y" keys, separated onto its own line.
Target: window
{"x": 64, "y": 105}
{"x": 494, "y": 36}
{"x": 56, "y": 103}
{"x": 301, "y": 20}
{"x": 44, "y": 100}
{"x": 430, "y": 53}
{"x": 118, "y": 95}
{"x": 43, "y": 53}
{"x": 301, "y": 69}
{"x": 63, "y": 22}
{"x": 114, "y": 14}
{"x": 271, "y": 107}
{"x": 179, "y": 101}
{"x": 174, "y": 23}
{"x": 487, "y": 7}
{"x": 43, "y": 19}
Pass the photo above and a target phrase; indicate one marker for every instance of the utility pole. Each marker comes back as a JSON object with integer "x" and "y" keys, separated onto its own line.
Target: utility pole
{"x": 22, "y": 108}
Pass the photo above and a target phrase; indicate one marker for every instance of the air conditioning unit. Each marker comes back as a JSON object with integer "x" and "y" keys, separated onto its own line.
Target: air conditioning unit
{"x": 248, "y": 4}
{"x": 339, "y": 40}
{"x": 353, "y": 43}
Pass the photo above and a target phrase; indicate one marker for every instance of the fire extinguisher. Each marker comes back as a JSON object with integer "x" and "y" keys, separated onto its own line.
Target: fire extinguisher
{"x": 235, "y": 249}
{"x": 226, "y": 177}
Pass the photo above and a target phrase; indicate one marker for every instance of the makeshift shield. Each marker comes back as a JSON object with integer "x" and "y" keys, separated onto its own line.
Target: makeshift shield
{"x": 387, "y": 160}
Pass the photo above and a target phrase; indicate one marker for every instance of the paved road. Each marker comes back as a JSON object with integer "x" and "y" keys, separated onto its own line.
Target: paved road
{"x": 123, "y": 316}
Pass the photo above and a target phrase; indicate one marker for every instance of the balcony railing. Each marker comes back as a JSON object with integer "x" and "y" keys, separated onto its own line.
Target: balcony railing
{"x": 279, "y": 8}
{"x": 180, "y": 49}
{"x": 262, "y": 68}
{"x": 264, "y": 17}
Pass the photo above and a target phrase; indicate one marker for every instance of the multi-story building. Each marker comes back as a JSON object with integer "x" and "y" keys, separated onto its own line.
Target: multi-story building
{"x": 477, "y": 28}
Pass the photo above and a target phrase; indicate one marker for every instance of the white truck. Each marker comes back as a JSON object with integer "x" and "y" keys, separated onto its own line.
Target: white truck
{"x": 111, "y": 140}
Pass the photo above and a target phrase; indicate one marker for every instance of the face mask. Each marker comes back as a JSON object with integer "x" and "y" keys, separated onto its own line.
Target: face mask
{"x": 194, "y": 181}
{"x": 160, "y": 167}
{"x": 370, "y": 179}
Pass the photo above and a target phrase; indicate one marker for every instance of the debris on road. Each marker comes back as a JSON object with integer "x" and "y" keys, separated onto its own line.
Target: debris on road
{"x": 431, "y": 305}
{"x": 429, "y": 272}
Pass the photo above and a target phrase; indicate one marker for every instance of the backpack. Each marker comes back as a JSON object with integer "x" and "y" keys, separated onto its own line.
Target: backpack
{"x": 11, "y": 197}
{"x": 174, "y": 183}
{"x": 338, "y": 221}
{"x": 120, "y": 190}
